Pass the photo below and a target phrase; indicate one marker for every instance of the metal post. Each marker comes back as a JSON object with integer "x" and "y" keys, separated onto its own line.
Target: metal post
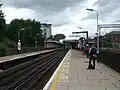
{"x": 18, "y": 35}
{"x": 83, "y": 33}
{"x": 19, "y": 42}
{"x": 87, "y": 36}
{"x": 98, "y": 34}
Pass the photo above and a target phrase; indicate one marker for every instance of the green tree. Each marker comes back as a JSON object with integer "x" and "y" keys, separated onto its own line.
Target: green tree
{"x": 57, "y": 37}
{"x": 2, "y": 26}
{"x": 13, "y": 29}
{"x": 29, "y": 33}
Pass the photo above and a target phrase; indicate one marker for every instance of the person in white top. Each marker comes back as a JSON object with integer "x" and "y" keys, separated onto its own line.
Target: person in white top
{"x": 19, "y": 47}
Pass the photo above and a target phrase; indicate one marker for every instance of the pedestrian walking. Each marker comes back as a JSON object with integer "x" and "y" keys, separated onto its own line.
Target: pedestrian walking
{"x": 92, "y": 57}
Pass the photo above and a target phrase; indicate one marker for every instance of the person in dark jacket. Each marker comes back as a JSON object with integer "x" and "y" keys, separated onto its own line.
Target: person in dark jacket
{"x": 92, "y": 57}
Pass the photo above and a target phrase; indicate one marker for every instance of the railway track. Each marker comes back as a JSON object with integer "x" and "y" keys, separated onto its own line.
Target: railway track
{"x": 31, "y": 73}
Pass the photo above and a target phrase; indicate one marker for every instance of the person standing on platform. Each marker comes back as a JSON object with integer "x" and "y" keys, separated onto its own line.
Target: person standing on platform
{"x": 92, "y": 57}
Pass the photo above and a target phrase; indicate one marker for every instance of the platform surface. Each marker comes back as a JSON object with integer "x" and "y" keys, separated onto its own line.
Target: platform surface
{"x": 11, "y": 57}
{"x": 74, "y": 75}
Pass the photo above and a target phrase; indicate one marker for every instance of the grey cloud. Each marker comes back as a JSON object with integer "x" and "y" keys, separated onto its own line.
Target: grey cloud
{"x": 57, "y": 19}
{"x": 51, "y": 11}
{"x": 91, "y": 15}
{"x": 106, "y": 10}
{"x": 107, "y": 13}
{"x": 106, "y": 7}
{"x": 101, "y": 2}
{"x": 48, "y": 5}
{"x": 110, "y": 7}
{"x": 60, "y": 24}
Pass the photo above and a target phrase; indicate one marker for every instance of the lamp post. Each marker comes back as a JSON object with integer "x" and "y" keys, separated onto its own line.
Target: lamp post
{"x": 98, "y": 32}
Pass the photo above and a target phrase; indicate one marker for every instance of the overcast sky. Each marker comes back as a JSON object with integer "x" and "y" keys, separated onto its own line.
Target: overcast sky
{"x": 65, "y": 15}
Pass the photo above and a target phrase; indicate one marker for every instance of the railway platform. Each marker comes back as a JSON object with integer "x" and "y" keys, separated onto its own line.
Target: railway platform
{"x": 72, "y": 74}
{"x": 18, "y": 56}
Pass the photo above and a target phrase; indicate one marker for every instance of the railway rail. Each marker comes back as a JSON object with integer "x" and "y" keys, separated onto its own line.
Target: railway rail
{"x": 31, "y": 75}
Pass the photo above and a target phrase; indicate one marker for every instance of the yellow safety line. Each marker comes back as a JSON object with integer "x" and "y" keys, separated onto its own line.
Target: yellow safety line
{"x": 56, "y": 79}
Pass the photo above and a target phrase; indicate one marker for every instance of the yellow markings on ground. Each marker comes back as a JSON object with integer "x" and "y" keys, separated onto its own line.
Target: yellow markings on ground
{"x": 53, "y": 86}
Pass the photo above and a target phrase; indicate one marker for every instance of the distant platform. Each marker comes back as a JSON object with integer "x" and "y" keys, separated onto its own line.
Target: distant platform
{"x": 12, "y": 57}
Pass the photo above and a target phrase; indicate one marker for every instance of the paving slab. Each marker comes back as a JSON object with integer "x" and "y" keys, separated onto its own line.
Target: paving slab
{"x": 76, "y": 76}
